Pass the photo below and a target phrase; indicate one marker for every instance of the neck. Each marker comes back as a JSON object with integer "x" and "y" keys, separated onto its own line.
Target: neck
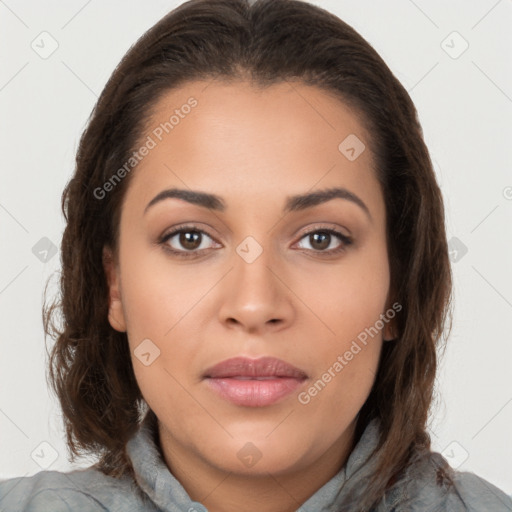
{"x": 224, "y": 491}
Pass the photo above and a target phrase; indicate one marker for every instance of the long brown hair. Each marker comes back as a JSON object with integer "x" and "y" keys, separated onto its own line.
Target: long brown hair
{"x": 266, "y": 42}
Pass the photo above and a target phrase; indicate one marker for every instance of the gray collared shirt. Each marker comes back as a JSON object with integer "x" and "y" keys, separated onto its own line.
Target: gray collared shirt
{"x": 156, "y": 489}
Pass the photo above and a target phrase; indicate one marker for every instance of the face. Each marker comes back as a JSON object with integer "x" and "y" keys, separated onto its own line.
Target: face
{"x": 253, "y": 273}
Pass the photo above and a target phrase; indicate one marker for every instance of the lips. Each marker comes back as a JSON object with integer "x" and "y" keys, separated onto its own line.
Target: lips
{"x": 256, "y": 369}
{"x": 254, "y": 382}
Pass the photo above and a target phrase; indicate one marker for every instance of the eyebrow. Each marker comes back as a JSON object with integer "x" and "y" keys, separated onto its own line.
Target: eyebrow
{"x": 293, "y": 203}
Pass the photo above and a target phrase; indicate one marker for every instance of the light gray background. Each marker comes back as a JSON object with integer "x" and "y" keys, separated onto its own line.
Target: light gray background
{"x": 465, "y": 107}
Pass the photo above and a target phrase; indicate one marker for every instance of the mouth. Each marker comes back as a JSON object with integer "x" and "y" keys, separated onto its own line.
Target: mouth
{"x": 254, "y": 382}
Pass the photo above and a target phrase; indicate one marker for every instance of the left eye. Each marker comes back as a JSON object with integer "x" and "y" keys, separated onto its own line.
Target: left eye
{"x": 321, "y": 240}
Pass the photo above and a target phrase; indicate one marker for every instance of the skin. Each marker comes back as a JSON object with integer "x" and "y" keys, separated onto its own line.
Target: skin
{"x": 253, "y": 148}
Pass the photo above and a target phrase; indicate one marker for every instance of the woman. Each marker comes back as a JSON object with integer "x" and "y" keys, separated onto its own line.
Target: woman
{"x": 255, "y": 279}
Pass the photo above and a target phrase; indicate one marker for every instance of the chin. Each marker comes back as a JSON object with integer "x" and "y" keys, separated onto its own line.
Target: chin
{"x": 256, "y": 457}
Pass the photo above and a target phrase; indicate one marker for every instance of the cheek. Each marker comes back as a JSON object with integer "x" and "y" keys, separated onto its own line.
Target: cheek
{"x": 158, "y": 302}
{"x": 349, "y": 297}
{"x": 156, "y": 294}
{"x": 350, "y": 306}
{"x": 340, "y": 388}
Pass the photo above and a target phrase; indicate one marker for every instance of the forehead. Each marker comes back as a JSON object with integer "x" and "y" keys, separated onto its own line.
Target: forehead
{"x": 241, "y": 115}
{"x": 237, "y": 140}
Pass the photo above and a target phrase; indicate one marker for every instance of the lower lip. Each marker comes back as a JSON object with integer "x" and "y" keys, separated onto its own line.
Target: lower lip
{"x": 254, "y": 393}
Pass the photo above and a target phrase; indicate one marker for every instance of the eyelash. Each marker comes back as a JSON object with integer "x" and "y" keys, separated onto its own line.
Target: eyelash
{"x": 346, "y": 241}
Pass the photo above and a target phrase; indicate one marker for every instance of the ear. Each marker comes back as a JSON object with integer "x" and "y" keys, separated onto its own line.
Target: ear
{"x": 115, "y": 309}
{"x": 389, "y": 331}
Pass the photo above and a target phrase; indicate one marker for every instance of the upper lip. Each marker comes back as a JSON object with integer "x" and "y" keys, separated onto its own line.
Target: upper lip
{"x": 246, "y": 367}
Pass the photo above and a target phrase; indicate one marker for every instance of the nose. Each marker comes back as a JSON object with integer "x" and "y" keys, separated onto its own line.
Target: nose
{"x": 255, "y": 297}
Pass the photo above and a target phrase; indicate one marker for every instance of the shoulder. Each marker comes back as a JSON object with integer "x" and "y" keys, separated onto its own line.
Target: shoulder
{"x": 476, "y": 493}
{"x": 87, "y": 490}
{"x": 437, "y": 486}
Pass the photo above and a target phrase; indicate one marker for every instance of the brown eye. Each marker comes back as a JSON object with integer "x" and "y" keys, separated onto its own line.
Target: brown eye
{"x": 321, "y": 239}
{"x": 186, "y": 241}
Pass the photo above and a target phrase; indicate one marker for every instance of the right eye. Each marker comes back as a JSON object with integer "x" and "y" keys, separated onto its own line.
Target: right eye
{"x": 190, "y": 238}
